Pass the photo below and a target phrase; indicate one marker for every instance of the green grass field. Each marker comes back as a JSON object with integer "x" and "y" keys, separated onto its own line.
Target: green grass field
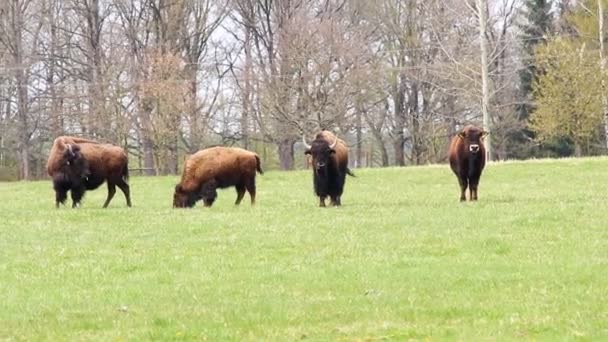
{"x": 402, "y": 259}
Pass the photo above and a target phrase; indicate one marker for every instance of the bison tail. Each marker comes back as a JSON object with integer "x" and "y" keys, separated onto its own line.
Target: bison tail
{"x": 258, "y": 165}
{"x": 350, "y": 173}
{"x": 125, "y": 172}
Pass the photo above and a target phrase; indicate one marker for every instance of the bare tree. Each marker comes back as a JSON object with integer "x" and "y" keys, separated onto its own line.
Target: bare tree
{"x": 134, "y": 19}
{"x": 91, "y": 13}
{"x": 19, "y": 33}
{"x": 202, "y": 19}
{"x": 600, "y": 13}
{"x": 482, "y": 8}
{"x": 55, "y": 74}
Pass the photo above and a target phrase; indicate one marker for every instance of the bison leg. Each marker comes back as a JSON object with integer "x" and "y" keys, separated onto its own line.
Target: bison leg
{"x": 473, "y": 189}
{"x": 322, "y": 201}
{"x": 463, "y": 181}
{"x": 240, "y": 193}
{"x": 208, "y": 193}
{"x": 111, "y": 192}
{"x": 251, "y": 189}
{"x": 207, "y": 202}
{"x": 335, "y": 201}
{"x": 338, "y": 201}
{"x": 124, "y": 187}
{"x": 77, "y": 194}
{"x": 472, "y": 196}
{"x": 60, "y": 196}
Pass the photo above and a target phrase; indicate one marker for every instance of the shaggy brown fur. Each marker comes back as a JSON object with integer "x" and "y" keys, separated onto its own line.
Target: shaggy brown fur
{"x": 77, "y": 164}
{"x": 217, "y": 167}
{"x": 330, "y": 166}
{"x": 467, "y": 157}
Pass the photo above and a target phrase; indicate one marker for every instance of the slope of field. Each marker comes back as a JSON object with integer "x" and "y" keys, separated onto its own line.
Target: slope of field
{"x": 401, "y": 259}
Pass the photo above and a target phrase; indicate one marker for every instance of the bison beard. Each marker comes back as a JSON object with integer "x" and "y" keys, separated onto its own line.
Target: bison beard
{"x": 72, "y": 176}
{"x": 329, "y": 182}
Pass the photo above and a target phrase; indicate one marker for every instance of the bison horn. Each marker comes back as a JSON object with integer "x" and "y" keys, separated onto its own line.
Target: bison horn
{"x": 70, "y": 149}
{"x": 305, "y": 143}
{"x": 334, "y": 143}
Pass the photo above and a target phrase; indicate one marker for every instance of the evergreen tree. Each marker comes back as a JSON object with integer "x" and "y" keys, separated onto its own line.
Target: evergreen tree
{"x": 538, "y": 23}
{"x": 534, "y": 31}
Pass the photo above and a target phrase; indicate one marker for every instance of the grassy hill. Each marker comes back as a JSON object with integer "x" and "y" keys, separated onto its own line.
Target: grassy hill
{"x": 403, "y": 258}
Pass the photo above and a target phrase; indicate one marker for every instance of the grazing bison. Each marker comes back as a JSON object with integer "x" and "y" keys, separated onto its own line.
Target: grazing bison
{"x": 467, "y": 159}
{"x": 217, "y": 167}
{"x": 329, "y": 165}
{"x": 77, "y": 164}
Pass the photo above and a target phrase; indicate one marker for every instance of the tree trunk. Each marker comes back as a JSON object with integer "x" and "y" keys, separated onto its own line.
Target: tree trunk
{"x": 600, "y": 10}
{"x": 482, "y": 8}
{"x": 359, "y": 137}
{"x": 247, "y": 88}
{"x": 286, "y": 157}
{"x": 398, "y": 146}
{"x": 578, "y": 149}
{"x": 398, "y": 130}
{"x": 413, "y": 109}
{"x": 145, "y": 110}
{"x": 195, "y": 124}
{"x": 1, "y": 150}
{"x": 450, "y": 121}
{"x": 22, "y": 96}
{"x": 384, "y": 154}
{"x": 56, "y": 102}
{"x": 24, "y": 140}
{"x": 173, "y": 159}
{"x": 94, "y": 59}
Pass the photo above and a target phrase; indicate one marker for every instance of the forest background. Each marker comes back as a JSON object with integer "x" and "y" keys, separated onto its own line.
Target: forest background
{"x": 396, "y": 79}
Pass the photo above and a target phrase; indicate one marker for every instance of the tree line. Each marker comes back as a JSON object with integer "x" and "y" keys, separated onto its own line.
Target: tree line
{"x": 396, "y": 79}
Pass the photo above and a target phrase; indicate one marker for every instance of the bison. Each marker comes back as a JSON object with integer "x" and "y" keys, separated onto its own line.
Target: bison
{"x": 467, "y": 159}
{"x": 330, "y": 166}
{"x": 217, "y": 167}
{"x": 77, "y": 164}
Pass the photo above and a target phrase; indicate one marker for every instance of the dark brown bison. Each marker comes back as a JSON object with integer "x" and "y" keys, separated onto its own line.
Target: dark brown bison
{"x": 467, "y": 159}
{"x": 77, "y": 164}
{"x": 217, "y": 167}
{"x": 329, "y": 166}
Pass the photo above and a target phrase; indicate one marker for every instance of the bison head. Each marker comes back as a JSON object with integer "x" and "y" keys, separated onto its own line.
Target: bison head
{"x": 321, "y": 152}
{"x": 183, "y": 199}
{"x": 473, "y": 138}
{"x": 74, "y": 163}
{"x": 71, "y": 154}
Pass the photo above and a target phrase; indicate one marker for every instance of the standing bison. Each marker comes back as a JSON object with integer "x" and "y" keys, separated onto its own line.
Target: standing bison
{"x": 467, "y": 159}
{"x": 329, "y": 166}
{"x": 217, "y": 167}
{"x": 77, "y": 164}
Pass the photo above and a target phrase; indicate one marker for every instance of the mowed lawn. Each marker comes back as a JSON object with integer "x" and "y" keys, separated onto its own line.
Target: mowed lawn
{"x": 402, "y": 259}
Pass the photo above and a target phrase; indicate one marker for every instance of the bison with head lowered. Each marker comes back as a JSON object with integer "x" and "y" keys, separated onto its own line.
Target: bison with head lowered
{"x": 213, "y": 168}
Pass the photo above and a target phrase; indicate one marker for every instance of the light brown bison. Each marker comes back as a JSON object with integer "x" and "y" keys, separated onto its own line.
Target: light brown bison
{"x": 329, "y": 165}
{"x": 77, "y": 164}
{"x": 217, "y": 167}
{"x": 467, "y": 159}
